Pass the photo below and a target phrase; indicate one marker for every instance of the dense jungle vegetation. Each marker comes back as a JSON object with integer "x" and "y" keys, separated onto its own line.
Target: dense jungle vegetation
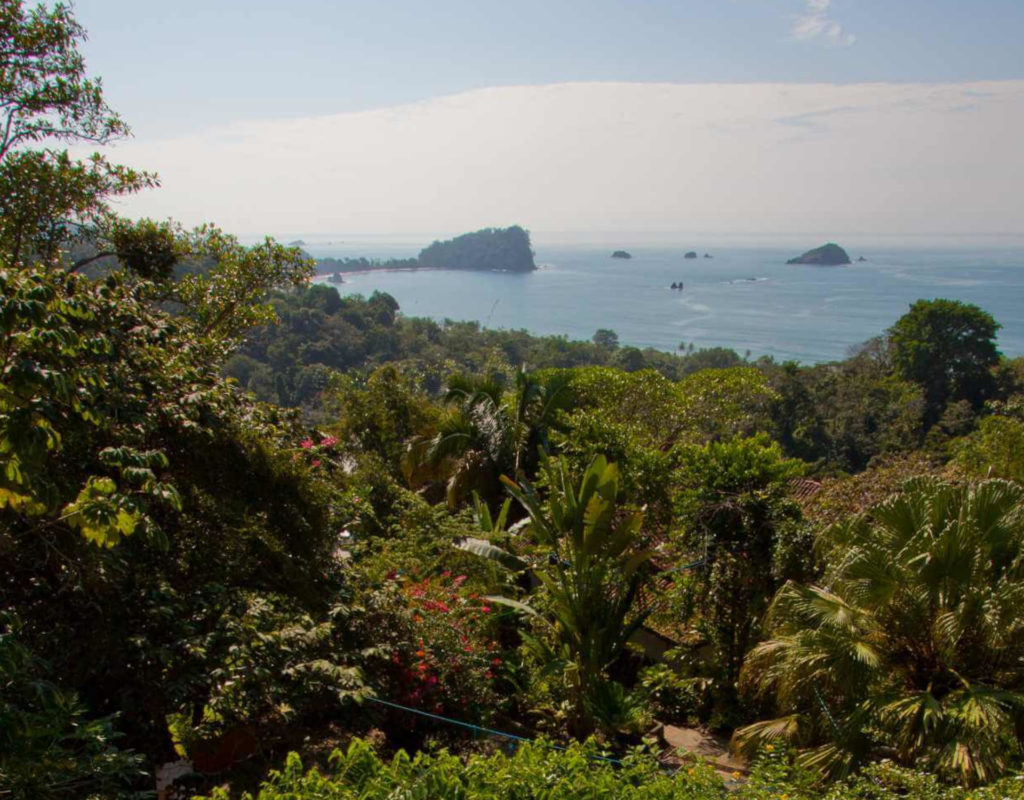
{"x": 249, "y": 524}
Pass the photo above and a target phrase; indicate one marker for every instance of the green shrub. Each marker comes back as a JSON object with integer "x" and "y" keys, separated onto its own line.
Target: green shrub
{"x": 540, "y": 772}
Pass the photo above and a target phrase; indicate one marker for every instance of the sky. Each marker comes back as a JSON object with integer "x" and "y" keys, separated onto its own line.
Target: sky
{"x": 392, "y": 116}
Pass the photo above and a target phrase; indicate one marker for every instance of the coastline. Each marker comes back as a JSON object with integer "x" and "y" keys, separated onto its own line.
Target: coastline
{"x": 424, "y": 269}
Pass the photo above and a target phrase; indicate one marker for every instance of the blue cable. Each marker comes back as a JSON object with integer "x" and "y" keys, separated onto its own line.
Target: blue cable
{"x": 488, "y": 731}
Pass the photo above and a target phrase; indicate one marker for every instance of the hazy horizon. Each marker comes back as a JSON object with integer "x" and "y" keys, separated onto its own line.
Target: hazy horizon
{"x": 720, "y": 160}
{"x": 738, "y": 240}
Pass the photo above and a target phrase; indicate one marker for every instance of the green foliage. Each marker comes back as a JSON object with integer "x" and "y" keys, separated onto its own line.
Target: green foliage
{"x": 594, "y": 567}
{"x": 844, "y": 496}
{"x": 538, "y": 771}
{"x": 46, "y": 97}
{"x": 722, "y": 402}
{"x": 83, "y": 364}
{"x": 93, "y": 374}
{"x": 911, "y": 644}
{"x": 44, "y": 83}
{"x": 846, "y": 414}
{"x": 606, "y": 338}
{"x": 283, "y": 663}
{"x": 48, "y": 200}
{"x": 49, "y": 746}
{"x": 318, "y": 331}
{"x": 435, "y": 647}
{"x": 739, "y": 529}
{"x": 487, "y": 433}
{"x": 948, "y": 348}
{"x": 505, "y": 249}
{"x": 997, "y": 448}
{"x": 379, "y": 415}
{"x": 142, "y": 500}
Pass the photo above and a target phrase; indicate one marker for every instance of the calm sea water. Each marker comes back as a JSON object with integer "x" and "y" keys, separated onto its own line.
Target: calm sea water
{"x": 746, "y": 299}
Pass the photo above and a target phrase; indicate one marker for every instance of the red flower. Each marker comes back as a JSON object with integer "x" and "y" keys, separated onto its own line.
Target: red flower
{"x": 328, "y": 441}
{"x": 306, "y": 444}
{"x": 316, "y": 462}
{"x": 486, "y": 609}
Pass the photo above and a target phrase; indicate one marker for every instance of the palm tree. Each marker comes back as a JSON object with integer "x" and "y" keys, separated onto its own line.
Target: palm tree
{"x": 913, "y": 645}
{"x": 486, "y": 433}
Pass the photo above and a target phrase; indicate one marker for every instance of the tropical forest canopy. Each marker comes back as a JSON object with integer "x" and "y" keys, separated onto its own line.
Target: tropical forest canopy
{"x": 299, "y": 542}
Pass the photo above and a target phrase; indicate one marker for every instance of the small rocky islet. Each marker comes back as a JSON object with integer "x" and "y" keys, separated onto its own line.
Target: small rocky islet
{"x": 828, "y": 255}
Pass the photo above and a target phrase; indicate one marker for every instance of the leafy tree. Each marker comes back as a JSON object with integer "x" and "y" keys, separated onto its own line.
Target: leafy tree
{"x": 379, "y": 415}
{"x": 49, "y": 747}
{"x": 911, "y": 645}
{"x": 46, "y": 92}
{"x": 996, "y": 449}
{"x": 948, "y": 348}
{"x": 846, "y": 413}
{"x": 741, "y": 538}
{"x": 722, "y": 402}
{"x": 629, "y": 359}
{"x": 608, "y": 339}
{"x": 46, "y": 97}
{"x": 142, "y": 499}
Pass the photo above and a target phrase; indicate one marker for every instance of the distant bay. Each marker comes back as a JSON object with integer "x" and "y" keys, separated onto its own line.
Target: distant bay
{"x": 747, "y": 299}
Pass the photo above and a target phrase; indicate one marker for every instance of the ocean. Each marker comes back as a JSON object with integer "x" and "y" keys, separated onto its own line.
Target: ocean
{"x": 747, "y": 299}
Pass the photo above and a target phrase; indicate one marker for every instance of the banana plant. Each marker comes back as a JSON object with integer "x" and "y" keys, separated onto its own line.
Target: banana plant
{"x": 589, "y": 580}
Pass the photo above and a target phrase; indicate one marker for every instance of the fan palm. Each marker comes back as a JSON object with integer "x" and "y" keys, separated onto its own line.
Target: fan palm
{"x": 913, "y": 646}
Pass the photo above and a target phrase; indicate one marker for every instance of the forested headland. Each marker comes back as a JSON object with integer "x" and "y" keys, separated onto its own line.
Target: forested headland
{"x": 491, "y": 249}
{"x": 302, "y": 546}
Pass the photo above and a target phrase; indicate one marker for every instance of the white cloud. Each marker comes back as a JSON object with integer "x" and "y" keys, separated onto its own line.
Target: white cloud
{"x": 780, "y": 158}
{"x": 815, "y": 23}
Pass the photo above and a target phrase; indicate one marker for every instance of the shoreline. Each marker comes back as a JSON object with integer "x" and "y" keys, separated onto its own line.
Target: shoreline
{"x": 424, "y": 269}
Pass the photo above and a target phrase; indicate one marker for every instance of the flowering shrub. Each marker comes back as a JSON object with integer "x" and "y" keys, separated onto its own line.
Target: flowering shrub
{"x": 315, "y": 453}
{"x": 442, "y": 652}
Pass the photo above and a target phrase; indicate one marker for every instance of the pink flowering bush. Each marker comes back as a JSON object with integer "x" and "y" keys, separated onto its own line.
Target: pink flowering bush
{"x": 316, "y": 451}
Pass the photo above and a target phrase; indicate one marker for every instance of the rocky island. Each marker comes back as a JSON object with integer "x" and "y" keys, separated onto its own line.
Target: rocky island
{"x": 501, "y": 249}
{"x": 490, "y": 249}
{"x": 828, "y": 255}
{"x": 691, "y": 254}
{"x": 621, "y": 254}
